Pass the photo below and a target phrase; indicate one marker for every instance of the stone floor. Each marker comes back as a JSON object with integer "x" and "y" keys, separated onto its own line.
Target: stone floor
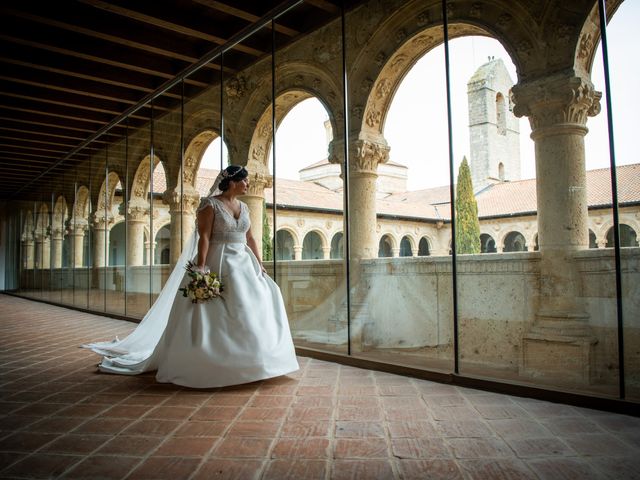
{"x": 61, "y": 419}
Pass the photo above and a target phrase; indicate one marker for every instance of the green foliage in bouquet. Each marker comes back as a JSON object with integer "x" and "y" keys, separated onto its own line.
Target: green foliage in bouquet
{"x": 203, "y": 286}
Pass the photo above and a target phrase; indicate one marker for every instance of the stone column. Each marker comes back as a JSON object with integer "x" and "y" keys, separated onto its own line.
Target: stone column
{"x": 101, "y": 242}
{"x": 138, "y": 212}
{"x": 255, "y": 201}
{"x": 56, "y": 247}
{"x": 364, "y": 157}
{"x": 297, "y": 252}
{"x": 326, "y": 253}
{"x": 395, "y": 252}
{"x": 558, "y": 344}
{"x": 182, "y": 209}
{"x": 29, "y": 252}
{"x": 77, "y": 230}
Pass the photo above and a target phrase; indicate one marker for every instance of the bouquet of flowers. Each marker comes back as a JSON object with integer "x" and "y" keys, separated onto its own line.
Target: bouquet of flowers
{"x": 204, "y": 285}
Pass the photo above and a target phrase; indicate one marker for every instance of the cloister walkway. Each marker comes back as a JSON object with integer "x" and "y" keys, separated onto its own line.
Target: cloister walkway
{"x": 59, "y": 418}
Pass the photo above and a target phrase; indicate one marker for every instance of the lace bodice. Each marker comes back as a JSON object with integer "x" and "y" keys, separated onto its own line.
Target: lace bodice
{"x": 224, "y": 222}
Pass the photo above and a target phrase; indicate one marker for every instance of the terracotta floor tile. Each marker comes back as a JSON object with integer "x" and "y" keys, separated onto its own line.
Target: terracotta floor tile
{"x": 315, "y": 390}
{"x": 494, "y": 469}
{"x": 254, "y": 428}
{"x": 572, "y": 426}
{"x": 229, "y": 469}
{"x": 185, "y": 447}
{"x": 106, "y": 426}
{"x": 598, "y": 444}
{"x": 201, "y": 429}
{"x": 76, "y": 444}
{"x": 345, "y": 429}
{"x": 518, "y": 428}
{"x": 295, "y": 470}
{"x": 361, "y": 469}
{"x": 412, "y": 429}
{"x": 363, "y": 414}
{"x": 486, "y": 447}
{"x": 357, "y": 390}
{"x": 555, "y": 468}
{"x": 305, "y": 429}
{"x": 16, "y": 422}
{"x": 104, "y": 468}
{"x": 130, "y": 445}
{"x": 227, "y": 400}
{"x": 126, "y": 411}
{"x": 361, "y": 448}
{"x": 42, "y": 465}
{"x": 39, "y": 409}
{"x": 152, "y": 427}
{"x": 82, "y": 410}
{"x": 538, "y": 447}
{"x": 243, "y": 447}
{"x": 143, "y": 399}
{"x": 170, "y": 468}
{"x": 420, "y": 448}
{"x": 170, "y": 413}
{"x": 309, "y": 401}
{"x": 301, "y": 448}
{"x": 271, "y": 401}
{"x": 256, "y": 413}
{"x": 187, "y": 399}
{"x": 216, "y": 413}
{"x": 439, "y": 469}
{"x": 463, "y": 428}
{"x": 8, "y": 458}
{"x": 307, "y": 414}
{"x": 25, "y": 441}
{"x": 495, "y": 412}
{"x": 616, "y": 468}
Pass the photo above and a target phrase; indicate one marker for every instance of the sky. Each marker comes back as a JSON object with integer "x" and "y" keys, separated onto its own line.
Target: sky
{"x": 416, "y": 126}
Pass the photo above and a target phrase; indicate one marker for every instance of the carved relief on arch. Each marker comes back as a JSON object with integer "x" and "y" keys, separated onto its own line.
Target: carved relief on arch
{"x": 81, "y": 204}
{"x": 193, "y": 156}
{"x": 140, "y": 184}
{"x": 109, "y": 185}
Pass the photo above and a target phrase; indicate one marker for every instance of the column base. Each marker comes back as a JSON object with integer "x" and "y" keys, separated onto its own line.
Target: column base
{"x": 558, "y": 350}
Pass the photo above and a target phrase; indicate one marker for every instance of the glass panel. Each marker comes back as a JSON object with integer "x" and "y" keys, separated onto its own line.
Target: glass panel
{"x": 401, "y": 284}
{"x": 115, "y": 197}
{"x": 99, "y": 226}
{"x": 140, "y": 166}
{"x": 495, "y": 167}
{"x": 81, "y": 233}
{"x": 623, "y": 68}
{"x": 308, "y": 191}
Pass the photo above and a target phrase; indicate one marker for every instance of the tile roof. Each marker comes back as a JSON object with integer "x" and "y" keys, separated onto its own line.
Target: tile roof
{"x": 501, "y": 199}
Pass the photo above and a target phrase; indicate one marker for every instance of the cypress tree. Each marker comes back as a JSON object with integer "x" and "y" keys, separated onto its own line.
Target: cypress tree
{"x": 267, "y": 249}
{"x": 467, "y": 223}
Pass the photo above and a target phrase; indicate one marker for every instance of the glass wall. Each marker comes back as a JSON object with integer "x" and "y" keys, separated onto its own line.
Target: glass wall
{"x": 365, "y": 155}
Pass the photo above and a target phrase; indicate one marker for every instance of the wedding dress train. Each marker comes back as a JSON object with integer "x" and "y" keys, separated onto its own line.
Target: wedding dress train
{"x": 240, "y": 337}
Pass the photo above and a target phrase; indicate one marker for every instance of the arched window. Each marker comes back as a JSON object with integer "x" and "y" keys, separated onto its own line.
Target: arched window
{"x": 284, "y": 245}
{"x": 593, "y": 243}
{"x": 515, "y": 242}
{"x": 501, "y": 171}
{"x": 163, "y": 246}
{"x": 405, "y": 247}
{"x": 423, "y": 247}
{"x": 312, "y": 246}
{"x": 628, "y": 236}
{"x": 384, "y": 248}
{"x": 501, "y": 114}
{"x": 487, "y": 244}
{"x": 337, "y": 245}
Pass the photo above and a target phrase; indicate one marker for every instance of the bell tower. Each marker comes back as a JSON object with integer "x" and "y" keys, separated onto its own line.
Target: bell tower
{"x": 493, "y": 128}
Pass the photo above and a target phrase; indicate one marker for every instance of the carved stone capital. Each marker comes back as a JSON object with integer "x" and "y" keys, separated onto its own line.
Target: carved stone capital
{"x": 57, "y": 233}
{"x": 99, "y": 222}
{"x": 364, "y": 155}
{"x": 187, "y": 202}
{"x": 257, "y": 183}
{"x": 78, "y": 227}
{"x": 137, "y": 210}
{"x": 556, "y": 102}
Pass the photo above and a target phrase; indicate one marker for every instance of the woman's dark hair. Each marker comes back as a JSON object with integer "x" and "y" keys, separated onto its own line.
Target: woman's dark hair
{"x": 232, "y": 172}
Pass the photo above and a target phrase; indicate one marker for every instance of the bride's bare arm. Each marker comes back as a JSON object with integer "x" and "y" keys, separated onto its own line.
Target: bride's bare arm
{"x": 251, "y": 242}
{"x": 205, "y": 222}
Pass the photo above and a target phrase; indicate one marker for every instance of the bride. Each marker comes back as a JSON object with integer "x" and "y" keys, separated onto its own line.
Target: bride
{"x": 240, "y": 337}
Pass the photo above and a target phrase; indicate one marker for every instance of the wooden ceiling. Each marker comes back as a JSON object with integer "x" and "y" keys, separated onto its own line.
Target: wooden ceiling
{"x": 69, "y": 68}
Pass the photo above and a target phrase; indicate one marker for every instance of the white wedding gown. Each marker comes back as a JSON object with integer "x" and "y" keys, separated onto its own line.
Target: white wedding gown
{"x": 241, "y": 337}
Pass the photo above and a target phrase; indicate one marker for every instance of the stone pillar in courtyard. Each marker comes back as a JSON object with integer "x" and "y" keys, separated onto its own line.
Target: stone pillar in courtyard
{"x": 43, "y": 251}
{"x": 297, "y": 252}
{"x": 364, "y": 157}
{"x": 254, "y": 199}
{"x": 138, "y": 217}
{"x": 56, "y": 247}
{"x": 182, "y": 208}
{"x": 77, "y": 230}
{"x": 29, "y": 252}
{"x": 100, "y": 251}
{"x": 558, "y": 346}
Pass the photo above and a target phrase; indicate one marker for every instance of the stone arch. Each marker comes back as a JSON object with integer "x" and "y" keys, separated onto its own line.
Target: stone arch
{"x": 407, "y": 246}
{"x": 487, "y": 243}
{"x": 417, "y": 38}
{"x": 162, "y": 239}
{"x": 60, "y": 212}
{"x": 589, "y": 38}
{"x": 81, "y": 204}
{"x": 386, "y": 245}
{"x": 313, "y": 243}
{"x": 104, "y": 203}
{"x": 261, "y": 139}
{"x": 140, "y": 184}
{"x": 514, "y": 241}
{"x": 501, "y": 116}
{"x": 424, "y": 246}
{"x": 628, "y": 236}
{"x": 593, "y": 240}
{"x": 337, "y": 245}
{"x": 193, "y": 154}
{"x": 117, "y": 243}
{"x": 42, "y": 222}
{"x": 286, "y": 241}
